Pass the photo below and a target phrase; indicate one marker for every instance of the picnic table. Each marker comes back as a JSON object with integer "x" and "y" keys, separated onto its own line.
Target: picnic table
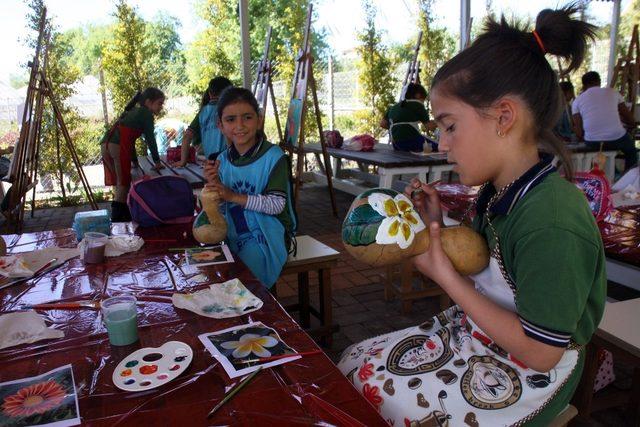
{"x": 307, "y": 391}
{"x": 192, "y": 172}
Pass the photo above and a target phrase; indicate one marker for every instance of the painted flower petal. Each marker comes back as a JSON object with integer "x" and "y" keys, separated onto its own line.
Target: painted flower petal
{"x": 382, "y": 236}
{"x": 410, "y": 218}
{"x": 267, "y": 341}
{"x": 403, "y": 202}
{"x": 377, "y": 202}
{"x": 390, "y": 207}
{"x": 249, "y": 338}
{"x": 406, "y": 235}
{"x": 230, "y": 344}
{"x": 260, "y": 351}
{"x": 241, "y": 351}
{"x": 394, "y": 228}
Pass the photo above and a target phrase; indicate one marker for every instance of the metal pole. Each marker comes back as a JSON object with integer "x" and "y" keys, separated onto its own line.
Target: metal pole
{"x": 465, "y": 15}
{"x": 331, "y": 97}
{"x": 244, "y": 36}
{"x": 615, "y": 22}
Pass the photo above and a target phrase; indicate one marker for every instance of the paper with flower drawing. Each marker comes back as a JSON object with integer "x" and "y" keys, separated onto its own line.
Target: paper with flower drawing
{"x": 49, "y": 399}
{"x": 208, "y": 256}
{"x": 220, "y": 300}
{"x": 233, "y": 347}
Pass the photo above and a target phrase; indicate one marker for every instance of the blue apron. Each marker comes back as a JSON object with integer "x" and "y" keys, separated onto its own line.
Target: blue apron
{"x": 257, "y": 238}
{"x": 212, "y": 139}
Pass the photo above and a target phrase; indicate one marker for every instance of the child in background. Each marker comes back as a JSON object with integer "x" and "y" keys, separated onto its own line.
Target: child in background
{"x": 204, "y": 127}
{"x": 118, "y": 146}
{"x": 404, "y": 118}
{"x": 253, "y": 177}
{"x": 512, "y": 350}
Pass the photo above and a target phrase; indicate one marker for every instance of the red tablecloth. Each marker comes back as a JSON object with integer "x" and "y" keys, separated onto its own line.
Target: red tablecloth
{"x": 308, "y": 391}
{"x": 620, "y": 230}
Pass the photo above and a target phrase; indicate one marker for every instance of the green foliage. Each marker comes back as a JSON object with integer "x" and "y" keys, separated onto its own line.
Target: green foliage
{"x": 437, "y": 44}
{"x": 374, "y": 74}
{"x": 17, "y": 81}
{"x": 87, "y": 42}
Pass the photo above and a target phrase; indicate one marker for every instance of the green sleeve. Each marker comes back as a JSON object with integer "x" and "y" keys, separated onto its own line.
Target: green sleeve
{"x": 148, "y": 129}
{"x": 556, "y": 271}
{"x": 423, "y": 114}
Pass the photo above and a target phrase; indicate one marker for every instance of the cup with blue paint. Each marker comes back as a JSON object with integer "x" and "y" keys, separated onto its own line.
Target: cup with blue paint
{"x": 120, "y": 318}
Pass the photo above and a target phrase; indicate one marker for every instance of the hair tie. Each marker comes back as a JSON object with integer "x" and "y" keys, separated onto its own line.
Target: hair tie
{"x": 539, "y": 41}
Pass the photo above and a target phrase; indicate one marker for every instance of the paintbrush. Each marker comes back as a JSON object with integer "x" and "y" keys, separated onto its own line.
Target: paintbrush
{"x": 420, "y": 190}
{"x": 280, "y": 356}
{"x": 234, "y": 391}
{"x": 77, "y": 305}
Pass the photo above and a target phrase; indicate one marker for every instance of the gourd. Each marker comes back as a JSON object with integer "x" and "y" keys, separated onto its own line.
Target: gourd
{"x": 383, "y": 228}
{"x": 210, "y": 226}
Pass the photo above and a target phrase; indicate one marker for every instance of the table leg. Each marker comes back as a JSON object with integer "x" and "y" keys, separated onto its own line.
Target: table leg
{"x": 385, "y": 180}
{"x": 406, "y": 279}
{"x": 583, "y": 396}
{"x": 303, "y": 298}
{"x": 633, "y": 407}
{"x": 324, "y": 278}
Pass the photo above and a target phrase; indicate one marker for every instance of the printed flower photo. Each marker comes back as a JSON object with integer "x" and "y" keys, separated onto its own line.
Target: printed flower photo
{"x": 240, "y": 348}
{"x": 49, "y": 399}
{"x": 208, "y": 256}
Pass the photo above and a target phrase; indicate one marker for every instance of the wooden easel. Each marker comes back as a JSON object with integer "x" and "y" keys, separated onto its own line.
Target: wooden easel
{"x": 263, "y": 87}
{"x": 293, "y": 141}
{"x": 628, "y": 71}
{"x": 413, "y": 70}
{"x": 23, "y": 171}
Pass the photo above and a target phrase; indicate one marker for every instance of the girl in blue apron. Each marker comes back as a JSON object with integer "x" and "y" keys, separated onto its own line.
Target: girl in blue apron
{"x": 203, "y": 129}
{"x": 253, "y": 177}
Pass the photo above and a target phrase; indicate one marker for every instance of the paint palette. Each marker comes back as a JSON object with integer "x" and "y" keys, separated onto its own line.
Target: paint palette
{"x": 151, "y": 367}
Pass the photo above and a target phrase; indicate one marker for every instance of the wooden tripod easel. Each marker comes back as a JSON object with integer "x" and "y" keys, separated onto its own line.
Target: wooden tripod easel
{"x": 628, "y": 71}
{"x": 413, "y": 70}
{"x": 293, "y": 141}
{"x": 23, "y": 171}
{"x": 263, "y": 86}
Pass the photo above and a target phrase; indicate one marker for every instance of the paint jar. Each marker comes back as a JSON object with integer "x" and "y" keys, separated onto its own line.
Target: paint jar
{"x": 120, "y": 317}
{"x": 94, "y": 246}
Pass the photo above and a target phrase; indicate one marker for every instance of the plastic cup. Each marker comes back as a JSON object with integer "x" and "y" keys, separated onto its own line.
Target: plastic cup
{"x": 119, "y": 314}
{"x": 94, "y": 247}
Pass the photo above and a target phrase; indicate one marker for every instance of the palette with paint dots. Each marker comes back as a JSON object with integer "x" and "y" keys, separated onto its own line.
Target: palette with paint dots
{"x": 150, "y": 367}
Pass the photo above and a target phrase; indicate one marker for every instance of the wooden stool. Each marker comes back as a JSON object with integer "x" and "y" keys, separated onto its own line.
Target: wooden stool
{"x": 403, "y": 287}
{"x": 313, "y": 255}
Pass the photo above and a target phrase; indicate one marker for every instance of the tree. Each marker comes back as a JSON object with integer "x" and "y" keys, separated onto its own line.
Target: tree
{"x": 87, "y": 42}
{"x": 437, "y": 44}
{"x": 374, "y": 73}
{"x": 166, "y": 60}
{"x": 124, "y": 57}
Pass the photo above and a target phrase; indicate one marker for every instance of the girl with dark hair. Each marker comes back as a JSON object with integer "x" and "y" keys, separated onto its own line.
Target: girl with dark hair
{"x": 512, "y": 350}
{"x": 118, "y": 146}
{"x": 203, "y": 129}
{"x": 403, "y": 120}
{"x": 253, "y": 177}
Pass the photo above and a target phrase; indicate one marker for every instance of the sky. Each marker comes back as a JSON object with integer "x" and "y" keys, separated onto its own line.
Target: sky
{"x": 341, "y": 18}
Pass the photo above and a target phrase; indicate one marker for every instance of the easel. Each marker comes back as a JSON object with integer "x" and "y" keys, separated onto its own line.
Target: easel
{"x": 263, "y": 87}
{"x": 628, "y": 71}
{"x": 293, "y": 141}
{"x": 413, "y": 70}
{"x": 23, "y": 171}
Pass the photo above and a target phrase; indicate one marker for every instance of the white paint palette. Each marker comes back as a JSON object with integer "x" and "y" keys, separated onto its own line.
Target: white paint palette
{"x": 151, "y": 367}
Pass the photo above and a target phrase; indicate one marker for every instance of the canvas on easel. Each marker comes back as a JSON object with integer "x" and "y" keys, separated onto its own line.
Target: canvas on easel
{"x": 294, "y": 138}
{"x": 626, "y": 74}
{"x": 413, "y": 70}
{"x": 263, "y": 86}
{"x": 23, "y": 170}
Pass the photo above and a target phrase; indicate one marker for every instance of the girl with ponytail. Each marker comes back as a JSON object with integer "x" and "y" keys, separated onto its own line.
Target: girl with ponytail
{"x": 118, "y": 146}
{"x": 512, "y": 350}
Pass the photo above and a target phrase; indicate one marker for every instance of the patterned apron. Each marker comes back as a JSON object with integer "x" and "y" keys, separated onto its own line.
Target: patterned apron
{"x": 448, "y": 372}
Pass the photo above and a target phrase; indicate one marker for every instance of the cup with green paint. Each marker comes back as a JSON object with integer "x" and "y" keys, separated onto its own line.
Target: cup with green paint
{"x": 120, "y": 318}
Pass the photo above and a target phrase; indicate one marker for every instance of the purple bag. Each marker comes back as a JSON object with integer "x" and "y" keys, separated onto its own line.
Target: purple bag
{"x": 161, "y": 200}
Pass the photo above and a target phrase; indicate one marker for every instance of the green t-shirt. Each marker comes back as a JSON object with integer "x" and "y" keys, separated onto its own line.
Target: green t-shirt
{"x": 554, "y": 254}
{"x": 403, "y": 118}
{"x": 138, "y": 118}
{"x": 279, "y": 181}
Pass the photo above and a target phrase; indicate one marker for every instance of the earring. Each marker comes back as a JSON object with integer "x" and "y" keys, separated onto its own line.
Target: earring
{"x": 500, "y": 133}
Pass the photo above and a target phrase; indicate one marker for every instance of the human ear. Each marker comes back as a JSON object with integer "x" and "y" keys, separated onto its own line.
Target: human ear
{"x": 506, "y": 113}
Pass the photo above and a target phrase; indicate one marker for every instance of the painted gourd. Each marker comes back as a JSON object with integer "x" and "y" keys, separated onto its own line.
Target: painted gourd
{"x": 383, "y": 228}
{"x": 210, "y": 226}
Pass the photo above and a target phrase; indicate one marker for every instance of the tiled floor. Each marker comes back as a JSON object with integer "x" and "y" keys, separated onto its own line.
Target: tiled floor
{"x": 358, "y": 292}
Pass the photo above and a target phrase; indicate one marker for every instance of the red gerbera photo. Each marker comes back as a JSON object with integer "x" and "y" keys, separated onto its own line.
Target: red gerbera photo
{"x": 34, "y": 399}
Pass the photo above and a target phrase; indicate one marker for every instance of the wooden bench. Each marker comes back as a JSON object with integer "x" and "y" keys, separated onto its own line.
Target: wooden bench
{"x": 583, "y": 157}
{"x": 312, "y": 255}
{"x": 619, "y": 333}
{"x": 404, "y": 282}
